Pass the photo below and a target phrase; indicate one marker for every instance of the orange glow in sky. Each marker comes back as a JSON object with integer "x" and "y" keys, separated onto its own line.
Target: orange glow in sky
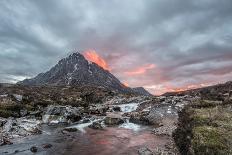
{"x": 92, "y": 55}
{"x": 140, "y": 70}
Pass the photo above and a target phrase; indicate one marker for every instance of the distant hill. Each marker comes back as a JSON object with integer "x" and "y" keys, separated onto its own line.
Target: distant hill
{"x": 217, "y": 92}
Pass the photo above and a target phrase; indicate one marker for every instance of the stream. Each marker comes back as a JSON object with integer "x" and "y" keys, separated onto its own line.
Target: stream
{"x": 125, "y": 139}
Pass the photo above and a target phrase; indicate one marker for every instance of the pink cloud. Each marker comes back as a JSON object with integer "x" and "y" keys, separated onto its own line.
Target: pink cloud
{"x": 140, "y": 70}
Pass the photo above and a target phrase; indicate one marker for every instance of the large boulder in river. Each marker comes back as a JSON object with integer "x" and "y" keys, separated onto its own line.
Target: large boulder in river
{"x": 98, "y": 109}
{"x": 145, "y": 117}
{"x": 61, "y": 114}
{"x": 113, "y": 120}
{"x": 139, "y": 118}
{"x": 96, "y": 125}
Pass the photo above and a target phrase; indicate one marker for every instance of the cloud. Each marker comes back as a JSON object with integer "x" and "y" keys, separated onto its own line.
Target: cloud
{"x": 140, "y": 70}
{"x": 188, "y": 41}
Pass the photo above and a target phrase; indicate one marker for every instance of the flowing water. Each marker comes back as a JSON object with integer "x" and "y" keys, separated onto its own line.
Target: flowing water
{"x": 124, "y": 139}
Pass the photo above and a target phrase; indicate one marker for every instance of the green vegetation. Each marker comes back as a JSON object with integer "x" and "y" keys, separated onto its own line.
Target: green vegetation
{"x": 205, "y": 129}
{"x": 9, "y": 108}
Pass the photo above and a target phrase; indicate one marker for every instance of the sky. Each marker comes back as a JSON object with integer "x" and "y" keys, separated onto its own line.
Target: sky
{"x": 162, "y": 45}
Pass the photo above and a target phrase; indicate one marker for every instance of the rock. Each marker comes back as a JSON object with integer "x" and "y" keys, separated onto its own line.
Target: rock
{"x": 47, "y": 146}
{"x": 98, "y": 109}
{"x": 113, "y": 120}
{"x": 140, "y": 118}
{"x": 34, "y": 149}
{"x": 164, "y": 130}
{"x": 2, "y": 121}
{"x": 70, "y": 129}
{"x": 5, "y": 141}
{"x": 23, "y": 112}
{"x": 37, "y": 113}
{"x": 85, "y": 120}
{"x": 145, "y": 151}
{"x": 117, "y": 109}
{"x": 21, "y": 127}
{"x": 61, "y": 114}
{"x": 96, "y": 125}
{"x": 18, "y": 97}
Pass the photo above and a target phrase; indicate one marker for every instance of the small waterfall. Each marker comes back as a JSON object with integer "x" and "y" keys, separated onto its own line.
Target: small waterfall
{"x": 47, "y": 114}
{"x": 128, "y": 107}
{"x": 81, "y": 127}
{"x": 128, "y": 125}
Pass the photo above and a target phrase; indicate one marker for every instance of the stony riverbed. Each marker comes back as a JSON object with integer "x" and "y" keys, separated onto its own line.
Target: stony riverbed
{"x": 119, "y": 126}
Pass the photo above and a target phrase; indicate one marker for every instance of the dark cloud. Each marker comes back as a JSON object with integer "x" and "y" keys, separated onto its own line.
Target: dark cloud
{"x": 189, "y": 42}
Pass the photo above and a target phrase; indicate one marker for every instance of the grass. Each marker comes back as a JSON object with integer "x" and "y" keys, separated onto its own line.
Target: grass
{"x": 205, "y": 129}
{"x": 208, "y": 140}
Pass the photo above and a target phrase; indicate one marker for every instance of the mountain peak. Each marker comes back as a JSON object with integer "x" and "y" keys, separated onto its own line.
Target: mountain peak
{"x": 75, "y": 70}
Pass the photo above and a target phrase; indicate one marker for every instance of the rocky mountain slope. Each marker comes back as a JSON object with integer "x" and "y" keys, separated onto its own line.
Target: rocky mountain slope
{"x": 142, "y": 91}
{"x": 75, "y": 70}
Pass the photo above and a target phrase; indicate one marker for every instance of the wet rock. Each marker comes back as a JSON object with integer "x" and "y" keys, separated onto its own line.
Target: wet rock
{"x": 117, "y": 109}
{"x": 21, "y": 127}
{"x": 140, "y": 118}
{"x": 5, "y": 141}
{"x": 2, "y": 121}
{"x": 70, "y": 129}
{"x": 47, "y": 146}
{"x": 113, "y": 120}
{"x": 34, "y": 149}
{"x": 61, "y": 114}
{"x": 85, "y": 120}
{"x": 98, "y": 109}
{"x": 96, "y": 125}
{"x": 145, "y": 151}
{"x": 23, "y": 112}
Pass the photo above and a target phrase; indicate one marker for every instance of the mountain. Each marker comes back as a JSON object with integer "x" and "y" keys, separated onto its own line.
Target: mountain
{"x": 75, "y": 70}
{"x": 220, "y": 91}
{"x": 141, "y": 91}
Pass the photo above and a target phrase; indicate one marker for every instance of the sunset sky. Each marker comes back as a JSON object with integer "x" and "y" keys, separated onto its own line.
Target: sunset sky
{"x": 162, "y": 45}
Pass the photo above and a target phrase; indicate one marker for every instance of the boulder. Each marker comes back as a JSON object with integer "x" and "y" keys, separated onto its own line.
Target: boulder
{"x": 113, "y": 120}
{"x": 33, "y": 149}
{"x": 5, "y": 141}
{"x": 2, "y": 121}
{"x": 21, "y": 127}
{"x": 96, "y": 125}
{"x": 70, "y": 129}
{"x": 61, "y": 114}
{"x": 117, "y": 109}
{"x": 139, "y": 118}
{"x": 23, "y": 112}
{"x": 98, "y": 109}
